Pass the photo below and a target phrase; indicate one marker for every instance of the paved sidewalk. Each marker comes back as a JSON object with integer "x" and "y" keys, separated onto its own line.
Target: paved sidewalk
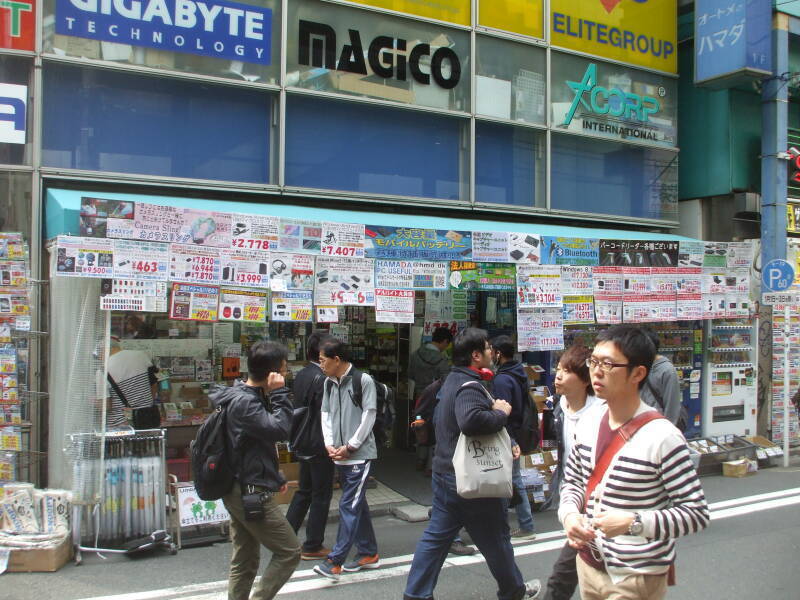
{"x": 381, "y": 500}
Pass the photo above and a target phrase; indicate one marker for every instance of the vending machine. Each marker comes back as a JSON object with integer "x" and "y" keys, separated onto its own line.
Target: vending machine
{"x": 730, "y": 401}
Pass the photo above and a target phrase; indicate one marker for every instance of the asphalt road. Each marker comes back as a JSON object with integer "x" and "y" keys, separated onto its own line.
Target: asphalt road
{"x": 749, "y": 551}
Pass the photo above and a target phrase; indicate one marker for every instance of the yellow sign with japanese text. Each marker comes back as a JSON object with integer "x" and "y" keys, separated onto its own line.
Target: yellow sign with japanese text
{"x": 638, "y": 32}
{"x": 793, "y": 217}
{"x": 451, "y": 11}
{"x": 525, "y": 17}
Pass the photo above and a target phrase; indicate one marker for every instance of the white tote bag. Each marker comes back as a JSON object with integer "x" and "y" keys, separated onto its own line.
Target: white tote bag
{"x": 483, "y": 463}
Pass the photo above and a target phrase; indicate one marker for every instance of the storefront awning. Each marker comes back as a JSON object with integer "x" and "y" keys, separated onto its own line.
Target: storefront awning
{"x": 63, "y": 208}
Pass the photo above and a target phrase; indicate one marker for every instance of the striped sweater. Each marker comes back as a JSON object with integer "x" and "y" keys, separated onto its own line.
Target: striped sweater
{"x": 653, "y": 475}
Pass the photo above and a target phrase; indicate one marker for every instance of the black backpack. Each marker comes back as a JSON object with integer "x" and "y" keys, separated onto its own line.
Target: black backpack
{"x": 528, "y": 435}
{"x": 212, "y": 461}
{"x": 385, "y": 402}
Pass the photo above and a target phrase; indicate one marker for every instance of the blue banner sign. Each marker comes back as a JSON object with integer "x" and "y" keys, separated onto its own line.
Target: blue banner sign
{"x": 732, "y": 41}
{"x": 414, "y": 243}
{"x": 216, "y": 28}
{"x": 570, "y": 251}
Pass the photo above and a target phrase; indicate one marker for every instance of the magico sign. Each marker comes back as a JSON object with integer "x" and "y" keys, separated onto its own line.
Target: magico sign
{"x": 216, "y": 28}
{"x": 388, "y": 57}
{"x": 638, "y": 32}
{"x": 17, "y": 24}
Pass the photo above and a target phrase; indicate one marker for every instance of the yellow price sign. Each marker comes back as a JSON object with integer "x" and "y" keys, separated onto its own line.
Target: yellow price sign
{"x": 451, "y": 11}
{"x": 525, "y": 17}
{"x": 638, "y": 32}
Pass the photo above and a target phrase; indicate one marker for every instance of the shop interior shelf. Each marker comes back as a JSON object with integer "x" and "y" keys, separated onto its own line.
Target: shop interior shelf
{"x": 731, "y": 327}
{"x": 732, "y": 365}
{"x": 675, "y": 348}
{"x": 739, "y": 349}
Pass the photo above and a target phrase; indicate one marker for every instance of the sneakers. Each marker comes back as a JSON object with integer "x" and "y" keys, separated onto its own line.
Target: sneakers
{"x": 315, "y": 554}
{"x": 522, "y": 534}
{"x": 461, "y": 549}
{"x": 326, "y": 568}
{"x": 362, "y": 562}
{"x": 533, "y": 588}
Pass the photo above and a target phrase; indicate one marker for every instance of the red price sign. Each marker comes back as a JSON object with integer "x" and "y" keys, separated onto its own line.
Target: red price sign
{"x": 249, "y": 278}
{"x": 250, "y": 244}
{"x": 144, "y": 266}
{"x": 202, "y": 315}
{"x": 338, "y": 251}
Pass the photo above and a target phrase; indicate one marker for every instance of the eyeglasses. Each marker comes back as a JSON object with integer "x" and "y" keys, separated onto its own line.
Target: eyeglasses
{"x": 605, "y": 365}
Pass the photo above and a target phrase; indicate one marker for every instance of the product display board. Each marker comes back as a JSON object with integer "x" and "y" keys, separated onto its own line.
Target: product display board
{"x": 779, "y": 348}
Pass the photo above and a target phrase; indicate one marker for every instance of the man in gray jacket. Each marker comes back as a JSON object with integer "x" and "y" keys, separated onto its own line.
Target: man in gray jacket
{"x": 349, "y": 408}
{"x": 661, "y": 389}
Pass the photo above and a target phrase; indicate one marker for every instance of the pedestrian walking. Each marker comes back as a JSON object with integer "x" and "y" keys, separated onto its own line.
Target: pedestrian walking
{"x": 465, "y": 408}
{"x": 662, "y": 389}
{"x": 511, "y": 385}
{"x": 259, "y": 415}
{"x": 315, "y": 486}
{"x": 629, "y": 486}
{"x": 347, "y": 422}
{"x": 575, "y": 397}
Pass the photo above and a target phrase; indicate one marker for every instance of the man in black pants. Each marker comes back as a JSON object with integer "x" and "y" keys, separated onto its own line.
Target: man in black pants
{"x": 316, "y": 468}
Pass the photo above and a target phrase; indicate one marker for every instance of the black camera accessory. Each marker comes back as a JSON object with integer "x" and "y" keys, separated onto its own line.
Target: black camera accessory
{"x": 253, "y": 504}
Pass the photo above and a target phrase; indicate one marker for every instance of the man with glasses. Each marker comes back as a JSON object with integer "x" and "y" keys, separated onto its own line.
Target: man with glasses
{"x": 464, "y": 407}
{"x": 623, "y": 509}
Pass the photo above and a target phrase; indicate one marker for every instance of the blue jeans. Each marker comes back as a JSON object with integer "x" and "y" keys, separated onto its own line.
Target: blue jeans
{"x": 484, "y": 520}
{"x": 524, "y": 515}
{"x": 355, "y": 523}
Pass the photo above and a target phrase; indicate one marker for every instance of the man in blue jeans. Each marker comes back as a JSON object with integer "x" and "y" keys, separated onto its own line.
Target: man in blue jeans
{"x": 347, "y": 430}
{"x": 463, "y": 407}
{"x": 511, "y": 385}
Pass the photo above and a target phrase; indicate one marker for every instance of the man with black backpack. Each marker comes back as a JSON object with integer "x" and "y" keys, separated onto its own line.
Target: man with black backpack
{"x": 349, "y": 409}
{"x": 511, "y": 384}
{"x": 258, "y": 413}
{"x": 315, "y": 489}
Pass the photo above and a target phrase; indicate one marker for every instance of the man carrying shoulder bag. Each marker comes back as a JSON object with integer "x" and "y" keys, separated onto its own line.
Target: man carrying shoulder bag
{"x": 259, "y": 414}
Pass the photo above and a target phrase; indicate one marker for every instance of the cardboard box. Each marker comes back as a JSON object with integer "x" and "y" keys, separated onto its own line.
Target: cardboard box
{"x": 739, "y": 468}
{"x": 769, "y": 454}
{"x": 41, "y": 560}
{"x": 286, "y": 497}
{"x": 291, "y": 471}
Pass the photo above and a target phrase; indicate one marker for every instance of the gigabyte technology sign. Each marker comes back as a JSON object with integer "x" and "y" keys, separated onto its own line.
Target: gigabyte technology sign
{"x": 217, "y": 28}
{"x": 387, "y": 57}
{"x": 639, "y": 32}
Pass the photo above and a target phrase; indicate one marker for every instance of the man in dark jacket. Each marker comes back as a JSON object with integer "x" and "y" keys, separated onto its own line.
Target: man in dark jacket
{"x": 511, "y": 385}
{"x": 463, "y": 407}
{"x": 259, "y": 414}
{"x": 315, "y": 489}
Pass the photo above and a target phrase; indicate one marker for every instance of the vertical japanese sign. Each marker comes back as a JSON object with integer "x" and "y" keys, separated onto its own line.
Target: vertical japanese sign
{"x": 732, "y": 38}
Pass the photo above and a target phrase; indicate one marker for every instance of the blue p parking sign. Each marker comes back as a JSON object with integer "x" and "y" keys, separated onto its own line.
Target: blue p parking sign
{"x": 778, "y": 275}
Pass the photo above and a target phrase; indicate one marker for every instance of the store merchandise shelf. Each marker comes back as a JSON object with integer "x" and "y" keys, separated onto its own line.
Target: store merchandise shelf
{"x": 673, "y": 330}
{"x": 733, "y": 365}
{"x": 683, "y": 366}
{"x": 676, "y": 348}
{"x": 731, "y": 327}
{"x": 740, "y": 349}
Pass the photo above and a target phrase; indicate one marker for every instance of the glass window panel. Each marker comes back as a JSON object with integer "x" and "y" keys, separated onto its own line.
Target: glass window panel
{"x": 348, "y": 146}
{"x": 240, "y": 56}
{"x": 613, "y": 101}
{"x": 525, "y": 17}
{"x": 510, "y": 80}
{"x": 104, "y": 120}
{"x": 15, "y": 202}
{"x": 509, "y": 165}
{"x": 363, "y": 53}
{"x": 17, "y": 127}
{"x": 596, "y": 176}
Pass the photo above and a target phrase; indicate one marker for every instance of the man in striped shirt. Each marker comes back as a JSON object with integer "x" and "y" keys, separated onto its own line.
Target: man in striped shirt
{"x": 650, "y": 494}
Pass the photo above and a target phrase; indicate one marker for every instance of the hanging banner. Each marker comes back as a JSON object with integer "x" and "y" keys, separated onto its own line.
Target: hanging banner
{"x": 690, "y": 254}
{"x": 489, "y": 246}
{"x": 394, "y": 306}
{"x": 248, "y": 306}
{"x": 292, "y": 306}
{"x": 482, "y": 276}
{"x": 133, "y": 295}
{"x": 145, "y": 261}
{"x": 84, "y": 257}
{"x": 578, "y": 310}
{"x": 344, "y": 281}
{"x": 291, "y": 271}
{"x": 539, "y": 286}
{"x": 298, "y": 235}
{"x": 342, "y": 239}
{"x": 540, "y": 329}
{"x": 608, "y": 284}
{"x": 638, "y": 253}
{"x": 245, "y": 268}
{"x": 194, "y": 264}
{"x": 190, "y": 302}
{"x": 254, "y": 232}
{"x": 570, "y": 251}
{"x": 524, "y": 248}
{"x": 410, "y": 275}
{"x": 100, "y": 217}
{"x": 576, "y": 281}
{"x": 417, "y": 244}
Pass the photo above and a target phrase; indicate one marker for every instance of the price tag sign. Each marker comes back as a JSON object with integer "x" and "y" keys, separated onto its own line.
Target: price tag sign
{"x": 344, "y": 281}
{"x": 342, "y": 239}
{"x": 194, "y": 264}
{"x": 144, "y": 261}
{"x": 194, "y": 302}
{"x": 245, "y": 268}
{"x": 84, "y": 257}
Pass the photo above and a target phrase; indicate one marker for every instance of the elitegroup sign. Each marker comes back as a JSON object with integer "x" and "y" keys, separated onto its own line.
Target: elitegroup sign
{"x": 217, "y": 28}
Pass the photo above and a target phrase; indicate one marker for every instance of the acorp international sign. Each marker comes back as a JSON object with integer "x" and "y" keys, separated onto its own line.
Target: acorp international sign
{"x": 638, "y": 32}
{"x": 216, "y": 28}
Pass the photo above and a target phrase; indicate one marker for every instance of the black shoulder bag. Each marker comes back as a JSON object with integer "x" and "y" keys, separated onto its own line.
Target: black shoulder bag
{"x": 147, "y": 417}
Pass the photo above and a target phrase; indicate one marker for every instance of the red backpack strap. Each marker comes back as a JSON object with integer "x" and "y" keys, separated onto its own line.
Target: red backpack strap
{"x": 624, "y": 433}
